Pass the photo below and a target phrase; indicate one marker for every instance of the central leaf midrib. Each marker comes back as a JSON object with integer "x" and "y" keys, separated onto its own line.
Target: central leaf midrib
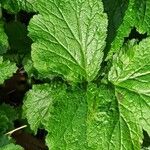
{"x": 82, "y": 67}
{"x": 79, "y": 42}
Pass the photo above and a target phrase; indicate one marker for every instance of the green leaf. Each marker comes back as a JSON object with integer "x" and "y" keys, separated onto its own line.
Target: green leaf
{"x": 42, "y": 98}
{"x": 28, "y": 66}
{"x": 7, "y": 116}
{"x": 146, "y": 148}
{"x": 79, "y": 119}
{"x": 69, "y": 38}
{"x": 0, "y": 11}
{"x": 10, "y": 5}
{"x": 17, "y": 37}
{"x": 130, "y": 75}
{"x": 11, "y": 147}
{"x": 142, "y": 12}
{"x": 137, "y": 15}
{"x": 20, "y": 43}
{"x": 7, "y": 143}
{"x": 4, "y": 123}
{"x": 15, "y": 6}
{"x": 6, "y": 69}
{"x": 4, "y": 140}
{"x": 116, "y": 11}
{"x": 4, "y": 45}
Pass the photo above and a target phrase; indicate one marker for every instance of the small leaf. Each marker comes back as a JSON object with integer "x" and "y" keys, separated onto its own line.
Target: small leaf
{"x": 4, "y": 45}
{"x": 7, "y": 116}
{"x": 28, "y": 66}
{"x": 15, "y": 6}
{"x": 41, "y": 97}
{"x": 11, "y": 147}
{"x": 6, "y": 69}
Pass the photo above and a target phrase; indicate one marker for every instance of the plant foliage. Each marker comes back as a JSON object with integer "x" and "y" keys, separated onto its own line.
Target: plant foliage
{"x": 91, "y": 87}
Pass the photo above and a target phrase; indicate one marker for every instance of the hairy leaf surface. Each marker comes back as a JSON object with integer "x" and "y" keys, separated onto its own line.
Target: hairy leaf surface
{"x": 69, "y": 38}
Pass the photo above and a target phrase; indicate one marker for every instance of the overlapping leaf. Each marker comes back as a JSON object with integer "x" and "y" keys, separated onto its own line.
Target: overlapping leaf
{"x": 17, "y": 37}
{"x": 116, "y": 10}
{"x": 131, "y": 76}
{"x": 78, "y": 119}
{"x": 28, "y": 66}
{"x": 69, "y": 38}
{"x": 137, "y": 15}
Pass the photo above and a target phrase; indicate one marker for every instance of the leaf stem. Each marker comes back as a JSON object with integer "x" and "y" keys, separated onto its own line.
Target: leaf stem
{"x": 11, "y": 132}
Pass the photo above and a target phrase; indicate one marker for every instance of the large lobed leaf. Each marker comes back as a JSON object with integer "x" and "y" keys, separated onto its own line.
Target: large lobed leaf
{"x": 69, "y": 38}
{"x": 130, "y": 74}
{"x": 79, "y": 119}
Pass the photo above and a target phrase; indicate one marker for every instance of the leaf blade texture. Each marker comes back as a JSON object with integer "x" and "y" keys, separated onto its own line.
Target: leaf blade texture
{"x": 115, "y": 10}
{"x": 136, "y": 15}
{"x": 6, "y": 69}
{"x": 4, "y": 45}
{"x": 17, "y": 5}
{"x": 6, "y": 119}
{"x": 85, "y": 120}
{"x": 130, "y": 75}
{"x": 11, "y": 147}
{"x": 72, "y": 35}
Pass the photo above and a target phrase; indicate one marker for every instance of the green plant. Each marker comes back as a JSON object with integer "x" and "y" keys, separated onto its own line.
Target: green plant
{"x": 92, "y": 59}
